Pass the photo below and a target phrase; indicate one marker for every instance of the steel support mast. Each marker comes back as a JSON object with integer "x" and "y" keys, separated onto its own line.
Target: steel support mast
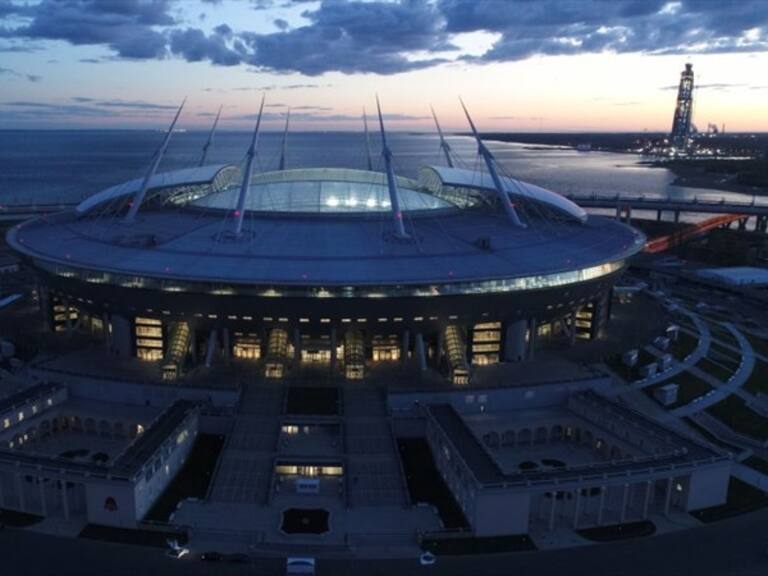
{"x": 210, "y": 138}
{"x": 138, "y": 198}
{"x": 247, "y": 172}
{"x": 397, "y": 214}
{"x": 490, "y": 163}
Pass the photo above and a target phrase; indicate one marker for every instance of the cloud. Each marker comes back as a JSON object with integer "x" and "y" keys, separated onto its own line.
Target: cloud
{"x": 193, "y": 45}
{"x": 127, "y": 27}
{"x": 553, "y": 27}
{"x": 313, "y": 117}
{"x": 394, "y": 36}
{"x": 13, "y": 73}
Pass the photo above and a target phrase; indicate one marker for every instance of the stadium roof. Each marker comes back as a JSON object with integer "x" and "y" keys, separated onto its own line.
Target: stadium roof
{"x": 302, "y": 228}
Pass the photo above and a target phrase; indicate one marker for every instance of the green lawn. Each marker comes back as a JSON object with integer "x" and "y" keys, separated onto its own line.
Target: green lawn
{"x": 760, "y": 345}
{"x": 724, "y": 335}
{"x": 758, "y": 380}
{"x": 683, "y": 346}
{"x": 689, "y": 388}
{"x": 734, "y": 412}
{"x": 718, "y": 369}
{"x": 720, "y": 352}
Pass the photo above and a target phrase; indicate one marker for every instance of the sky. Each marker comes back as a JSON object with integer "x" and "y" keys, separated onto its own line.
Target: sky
{"x": 520, "y": 65}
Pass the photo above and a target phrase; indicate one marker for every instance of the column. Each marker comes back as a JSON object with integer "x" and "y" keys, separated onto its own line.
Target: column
{"x": 624, "y": 497}
{"x": 225, "y": 344}
{"x": 20, "y": 490}
{"x": 44, "y": 304}
{"x": 552, "y": 512}
{"x": 333, "y": 348}
{"x": 296, "y": 345}
{"x": 211, "y": 348}
{"x": 43, "y": 503}
{"x": 420, "y": 355}
{"x": 647, "y": 500}
{"x": 107, "y": 332}
{"x": 577, "y": 507}
{"x": 600, "y": 505}
{"x": 67, "y": 319}
{"x": 618, "y": 212}
{"x": 658, "y": 215}
{"x": 405, "y": 345}
{"x": 532, "y": 326}
{"x": 122, "y": 343}
{"x": 514, "y": 341}
{"x": 668, "y": 496}
{"x": 64, "y": 499}
{"x": 677, "y": 216}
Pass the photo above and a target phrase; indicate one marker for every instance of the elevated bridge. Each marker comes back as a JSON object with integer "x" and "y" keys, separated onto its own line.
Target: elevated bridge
{"x": 625, "y": 204}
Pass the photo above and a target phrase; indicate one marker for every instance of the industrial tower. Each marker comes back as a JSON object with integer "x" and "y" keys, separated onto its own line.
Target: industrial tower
{"x": 681, "y": 123}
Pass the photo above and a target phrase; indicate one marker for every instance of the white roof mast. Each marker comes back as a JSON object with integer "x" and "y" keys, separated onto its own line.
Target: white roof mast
{"x": 247, "y": 172}
{"x": 138, "y": 198}
{"x": 210, "y": 138}
{"x": 444, "y": 146}
{"x": 394, "y": 200}
{"x": 490, "y": 163}
{"x": 284, "y": 150}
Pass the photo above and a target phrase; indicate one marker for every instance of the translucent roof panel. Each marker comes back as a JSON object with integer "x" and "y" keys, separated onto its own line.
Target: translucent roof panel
{"x": 313, "y": 191}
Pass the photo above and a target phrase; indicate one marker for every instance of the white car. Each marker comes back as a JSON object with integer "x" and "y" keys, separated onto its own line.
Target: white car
{"x": 427, "y": 559}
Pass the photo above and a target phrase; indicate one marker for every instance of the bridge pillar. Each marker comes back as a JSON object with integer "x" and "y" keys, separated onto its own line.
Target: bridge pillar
{"x": 618, "y": 212}
{"x": 658, "y": 215}
{"x": 677, "y": 216}
{"x": 742, "y": 224}
{"x": 628, "y": 214}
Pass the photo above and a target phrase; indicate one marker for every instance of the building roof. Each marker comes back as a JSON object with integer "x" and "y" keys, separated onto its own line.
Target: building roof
{"x": 186, "y": 236}
{"x": 682, "y": 450}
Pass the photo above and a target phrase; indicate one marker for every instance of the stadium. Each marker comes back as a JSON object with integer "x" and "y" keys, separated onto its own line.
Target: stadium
{"x": 339, "y": 267}
{"x": 321, "y": 351}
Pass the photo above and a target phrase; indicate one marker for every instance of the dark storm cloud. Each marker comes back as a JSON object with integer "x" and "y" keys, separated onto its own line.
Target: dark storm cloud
{"x": 388, "y": 37}
{"x": 127, "y": 26}
{"x": 354, "y": 37}
{"x": 193, "y": 45}
{"x": 552, "y": 27}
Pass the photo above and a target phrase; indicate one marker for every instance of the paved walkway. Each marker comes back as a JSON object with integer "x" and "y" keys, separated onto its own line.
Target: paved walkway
{"x": 721, "y": 389}
{"x": 678, "y": 366}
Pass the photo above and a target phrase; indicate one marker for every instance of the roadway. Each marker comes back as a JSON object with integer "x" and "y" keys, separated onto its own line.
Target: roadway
{"x": 734, "y": 547}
